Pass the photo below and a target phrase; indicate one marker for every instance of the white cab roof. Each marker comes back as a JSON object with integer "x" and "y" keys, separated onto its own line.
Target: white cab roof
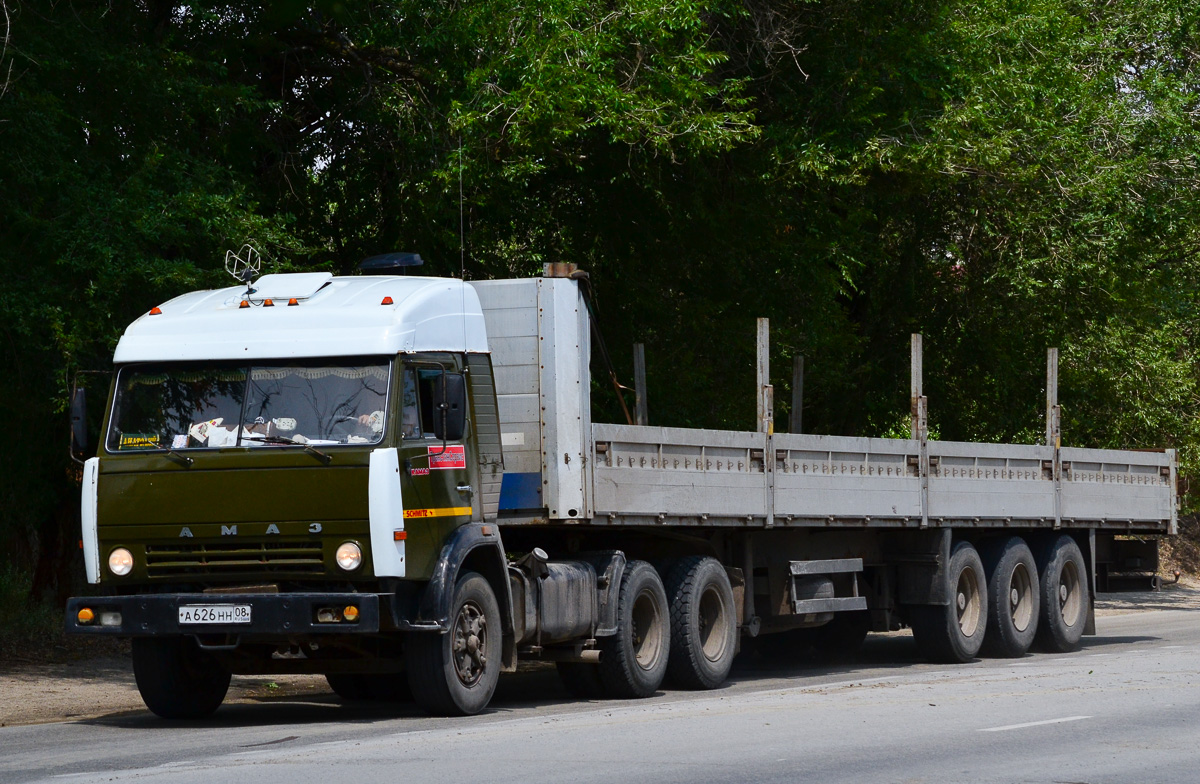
{"x": 332, "y": 317}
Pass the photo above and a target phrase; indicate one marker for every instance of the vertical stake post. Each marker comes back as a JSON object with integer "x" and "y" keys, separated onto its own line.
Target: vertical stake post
{"x": 766, "y": 418}
{"x": 916, "y": 386}
{"x": 766, "y": 398}
{"x": 920, "y": 424}
{"x": 641, "y": 412}
{"x": 796, "y": 425}
{"x": 1054, "y": 429}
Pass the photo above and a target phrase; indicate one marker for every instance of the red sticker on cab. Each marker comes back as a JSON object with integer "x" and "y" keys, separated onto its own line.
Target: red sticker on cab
{"x": 454, "y": 456}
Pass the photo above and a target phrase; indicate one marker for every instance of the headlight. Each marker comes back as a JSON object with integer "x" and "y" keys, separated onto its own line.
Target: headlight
{"x": 120, "y": 562}
{"x": 349, "y": 556}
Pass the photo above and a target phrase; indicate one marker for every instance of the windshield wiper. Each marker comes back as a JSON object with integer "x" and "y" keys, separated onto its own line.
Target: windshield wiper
{"x": 324, "y": 458}
{"x": 271, "y": 439}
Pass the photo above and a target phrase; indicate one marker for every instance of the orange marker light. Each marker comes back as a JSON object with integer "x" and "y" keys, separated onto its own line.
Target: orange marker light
{"x": 86, "y": 615}
{"x": 386, "y": 301}
{"x": 245, "y": 304}
{"x": 350, "y": 613}
{"x": 268, "y": 303}
{"x": 293, "y": 301}
{"x": 399, "y": 536}
{"x": 155, "y": 311}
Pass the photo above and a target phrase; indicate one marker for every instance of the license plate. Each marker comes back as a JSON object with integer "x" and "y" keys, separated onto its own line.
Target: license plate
{"x": 215, "y": 613}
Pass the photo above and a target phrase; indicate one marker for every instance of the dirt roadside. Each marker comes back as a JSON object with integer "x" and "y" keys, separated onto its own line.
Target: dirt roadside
{"x": 41, "y": 693}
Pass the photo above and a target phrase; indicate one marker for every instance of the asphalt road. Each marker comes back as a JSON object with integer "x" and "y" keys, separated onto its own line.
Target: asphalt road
{"x": 1124, "y": 709}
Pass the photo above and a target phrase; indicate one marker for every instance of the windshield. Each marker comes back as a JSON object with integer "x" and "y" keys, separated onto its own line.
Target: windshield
{"x": 207, "y": 406}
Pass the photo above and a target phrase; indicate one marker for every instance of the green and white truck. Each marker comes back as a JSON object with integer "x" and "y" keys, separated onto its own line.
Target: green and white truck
{"x": 396, "y": 481}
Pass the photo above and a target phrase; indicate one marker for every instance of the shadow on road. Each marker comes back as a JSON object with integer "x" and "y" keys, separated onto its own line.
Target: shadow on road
{"x": 536, "y": 685}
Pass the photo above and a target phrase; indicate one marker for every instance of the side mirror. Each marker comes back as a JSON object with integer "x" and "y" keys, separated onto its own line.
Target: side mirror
{"x": 451, "y": 422}
{"x": 79, "y": 439}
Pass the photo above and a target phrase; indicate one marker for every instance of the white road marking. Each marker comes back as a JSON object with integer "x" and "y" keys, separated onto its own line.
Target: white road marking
{"x": 1034, "y": 724}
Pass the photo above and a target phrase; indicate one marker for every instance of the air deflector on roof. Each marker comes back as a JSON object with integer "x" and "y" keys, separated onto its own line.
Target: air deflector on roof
{"x": 390, "y": 263}
{"x": 296, "y": 285}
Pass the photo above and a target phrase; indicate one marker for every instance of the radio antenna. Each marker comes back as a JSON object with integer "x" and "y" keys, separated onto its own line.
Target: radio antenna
{"x": 244, "y": 265}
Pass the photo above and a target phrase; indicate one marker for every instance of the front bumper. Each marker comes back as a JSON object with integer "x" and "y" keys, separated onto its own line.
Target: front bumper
{"x": 271, "y": 615}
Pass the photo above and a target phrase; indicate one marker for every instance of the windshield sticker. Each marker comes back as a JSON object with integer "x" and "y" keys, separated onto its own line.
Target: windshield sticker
{"x": 454, "y": 456}
{"x": 180, "y": 441}
{"x": 139, "y": 441}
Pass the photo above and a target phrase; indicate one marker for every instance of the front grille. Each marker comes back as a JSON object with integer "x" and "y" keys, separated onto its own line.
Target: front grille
{"x": 240, "y": 558}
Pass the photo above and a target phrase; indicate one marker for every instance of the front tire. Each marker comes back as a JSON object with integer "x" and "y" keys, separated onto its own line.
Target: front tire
{"x": 177, "y": 679}
{"x": 455, "y": 674}
{"x": 1064, "y": 595}
{"x": 703, "y": 623}
{"x": 633, "y": 662}
{"x": 953, "y": 633}
{"x": 1013, "y": 599}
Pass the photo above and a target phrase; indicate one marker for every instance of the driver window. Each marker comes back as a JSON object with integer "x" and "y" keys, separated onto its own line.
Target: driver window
{"x": 410, "y": 423}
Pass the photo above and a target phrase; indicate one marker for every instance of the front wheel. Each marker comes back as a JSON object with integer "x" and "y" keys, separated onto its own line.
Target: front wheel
{"x": 953, "y": 633}
{"x": 455, "y": 674}
{"x": 176, "y": 678}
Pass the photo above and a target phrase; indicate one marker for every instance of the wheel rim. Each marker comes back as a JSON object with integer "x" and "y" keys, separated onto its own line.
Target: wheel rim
{"x": 714, "y": 624}
{"x": 968, "y": 602}
{"x": 1020, "y": 597}
{"x": 647, "y": 630}
{"x": 1070, "y": 594}
{"x": 470, "y": 643}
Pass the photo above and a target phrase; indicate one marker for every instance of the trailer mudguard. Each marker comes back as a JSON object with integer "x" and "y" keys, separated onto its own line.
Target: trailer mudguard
{"x": 472, "y": 547}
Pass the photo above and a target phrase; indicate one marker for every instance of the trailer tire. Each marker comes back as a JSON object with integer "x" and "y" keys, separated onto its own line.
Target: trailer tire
{"x": 1064, "y": 596}
{"x": 633, "y": 662}
{"x": 1014, "y": 599}
{"x": 582, "y": 680}
{"x": 455, "y": 673}
{"x": 177, "y": 679}
{"x": 703, "y": 623}
{"x": 954, "y": 632}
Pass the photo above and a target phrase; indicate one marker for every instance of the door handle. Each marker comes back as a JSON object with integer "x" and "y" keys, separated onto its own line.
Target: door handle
{"x": 465, "y": 489}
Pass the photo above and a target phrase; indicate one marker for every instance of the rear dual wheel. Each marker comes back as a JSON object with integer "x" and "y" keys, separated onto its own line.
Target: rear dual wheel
{"x": 953, "y": 632}
{"x": 1014, "y": 598}
{"x": 1064, "y": 596}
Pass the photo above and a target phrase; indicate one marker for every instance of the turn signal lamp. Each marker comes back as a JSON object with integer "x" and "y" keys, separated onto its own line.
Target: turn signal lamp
{"x": 350, "y": 613}
{"x": 86, "y": 615}
{"x": 386, "y": 301}
{"x": 155, "y": 311}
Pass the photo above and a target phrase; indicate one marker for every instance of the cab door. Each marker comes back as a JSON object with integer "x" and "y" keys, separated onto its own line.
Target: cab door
{"x": 433, "y": 455}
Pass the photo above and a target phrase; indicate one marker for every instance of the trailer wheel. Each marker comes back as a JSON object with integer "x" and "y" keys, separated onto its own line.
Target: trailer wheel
{"x": 633, "y": 662}
{"x": 582, "y": 680}
{"x": 455, "y": 674}
{"x": 703, "y": 623}
{"x": 954, "y": 632}
{"x": 1064, "y": 596}
{"x": 176, "y": 678}
{"x": 1013, "y": 598}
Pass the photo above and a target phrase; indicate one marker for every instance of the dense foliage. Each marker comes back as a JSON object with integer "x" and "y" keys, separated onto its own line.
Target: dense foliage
{"x": 1000, "y": 176}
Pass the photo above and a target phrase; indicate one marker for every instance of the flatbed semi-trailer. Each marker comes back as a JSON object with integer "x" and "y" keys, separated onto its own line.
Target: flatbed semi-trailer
{"x": 395, "y": 481}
